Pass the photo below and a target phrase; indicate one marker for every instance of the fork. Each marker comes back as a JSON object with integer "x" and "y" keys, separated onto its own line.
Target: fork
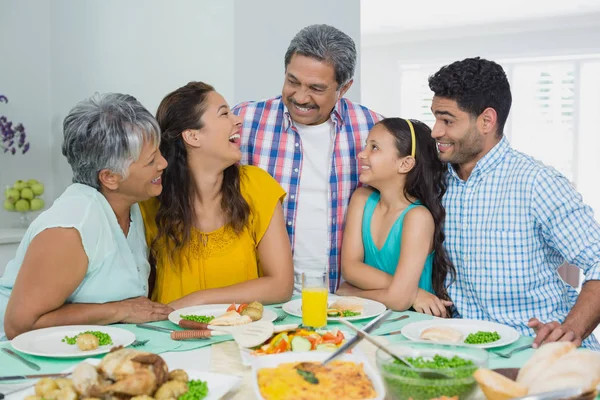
{"x": 510, "y": 353}
{"x": 137, "y": 343}
{"x": 280, "y": 317}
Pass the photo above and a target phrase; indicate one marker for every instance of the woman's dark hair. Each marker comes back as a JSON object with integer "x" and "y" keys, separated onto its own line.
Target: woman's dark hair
{"x": 177, "y": 112}
{"x": 426, "y": 182}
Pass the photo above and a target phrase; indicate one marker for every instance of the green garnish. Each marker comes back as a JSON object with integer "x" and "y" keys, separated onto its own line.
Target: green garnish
{"x": 197, "y": 390}
{"x": 198, "y": 318}
{"x": 482, "y": 337}
{"x": 308, "y": 376}
{"x": 349, "y": 313}
{"x": 103, "y": 338}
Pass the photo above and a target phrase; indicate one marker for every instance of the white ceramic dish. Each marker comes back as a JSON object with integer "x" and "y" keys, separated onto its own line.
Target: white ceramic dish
{"x": 507, "y": 334}
{"x": 214, "y": 310}
{"x": 372, "y": 308}
{"x": 47, "y": 342}
{"x": 218, "y": 384}
{"x": 274, "y": 360}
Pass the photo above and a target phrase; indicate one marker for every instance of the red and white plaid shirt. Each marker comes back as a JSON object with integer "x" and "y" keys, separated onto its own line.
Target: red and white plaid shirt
{"x": 271, "y": 141}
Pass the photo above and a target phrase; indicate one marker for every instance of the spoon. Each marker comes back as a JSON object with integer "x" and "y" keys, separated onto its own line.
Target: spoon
{"x": 372, "y": 340}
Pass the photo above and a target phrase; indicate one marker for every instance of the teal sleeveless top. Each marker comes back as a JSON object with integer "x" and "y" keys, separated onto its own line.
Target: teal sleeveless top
{"x": 386, "y": 258}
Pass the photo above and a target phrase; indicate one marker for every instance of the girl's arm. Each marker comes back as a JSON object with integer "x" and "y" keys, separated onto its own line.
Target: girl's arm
{"x": 276, "y": 284}
{"x": 354, "y": 270}
{"x": 54, "y": 266}
{"x": 417, "y": 242}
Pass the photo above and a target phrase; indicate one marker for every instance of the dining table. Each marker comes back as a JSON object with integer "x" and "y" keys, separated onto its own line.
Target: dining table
{"x": 220, "y": 354}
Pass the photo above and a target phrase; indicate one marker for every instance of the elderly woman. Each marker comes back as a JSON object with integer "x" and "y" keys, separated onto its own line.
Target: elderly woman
{"x": 84, "y": 260}
{"x": 217, "y": 230}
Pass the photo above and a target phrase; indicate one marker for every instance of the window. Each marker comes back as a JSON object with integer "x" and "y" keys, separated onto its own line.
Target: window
{"x": 556, "y": 105}
{"x": 553, "y": 118}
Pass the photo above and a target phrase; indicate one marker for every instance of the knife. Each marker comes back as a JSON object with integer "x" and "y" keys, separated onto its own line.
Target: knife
{"x": 20, "y": 377}
{"x": 155, "y": 328}
{"x": 391, "y": 333}
{"x": 22, "y": 359}
{"x": 371, "y": 326}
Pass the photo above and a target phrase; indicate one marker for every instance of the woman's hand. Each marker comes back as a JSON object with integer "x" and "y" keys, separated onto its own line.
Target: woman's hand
{"x": 430, "y": 304}
{"x": 140, "y": 309}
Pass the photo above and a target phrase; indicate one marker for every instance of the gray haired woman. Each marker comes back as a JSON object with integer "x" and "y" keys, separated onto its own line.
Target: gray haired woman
{"x": 85, "y": 260}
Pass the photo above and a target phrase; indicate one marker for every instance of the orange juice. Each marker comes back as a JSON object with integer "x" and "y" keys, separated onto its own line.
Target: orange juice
{"x": 314, "y": 307}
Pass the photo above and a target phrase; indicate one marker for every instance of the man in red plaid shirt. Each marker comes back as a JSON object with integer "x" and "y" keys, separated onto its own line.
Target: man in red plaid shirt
{"x": 307, "y": 139}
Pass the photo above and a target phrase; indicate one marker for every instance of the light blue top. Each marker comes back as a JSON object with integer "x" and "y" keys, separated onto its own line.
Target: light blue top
{"x": 118, "y": 266}
{"x": 386, "y": 258}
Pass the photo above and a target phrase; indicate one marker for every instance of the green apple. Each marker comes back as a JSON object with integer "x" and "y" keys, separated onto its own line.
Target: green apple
{"x": 38, "y": 188}
{"x": 22, "y": 205}
{"x": 20, "y": 184}
{"x": 12, "y": 195}
{"x": 32, "y": 182}
{"x": 27, "y": 193}
{"x": 9, "y": 205}
{"x": 37, "y": 204}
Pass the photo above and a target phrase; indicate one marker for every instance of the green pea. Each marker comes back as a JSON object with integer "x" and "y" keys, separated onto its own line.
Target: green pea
{"x": 198, "y": 318}
{"x": 197, "y": 390}
{"x": 482, "y": 337}
{"x": 103, "y": 338}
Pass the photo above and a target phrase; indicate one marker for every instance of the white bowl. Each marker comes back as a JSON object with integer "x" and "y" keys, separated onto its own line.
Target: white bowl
{"x": 273, "y": 360}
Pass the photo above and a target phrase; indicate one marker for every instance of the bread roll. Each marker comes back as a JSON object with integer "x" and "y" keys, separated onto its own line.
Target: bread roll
{"x": 442, "y": 334}
{"x": 349, "y": 303}
{"x": 578, "y": 368}
{"x": 496, "y": 386}
{"x": 231, "y": 318}
{"x": 543, "y": 357}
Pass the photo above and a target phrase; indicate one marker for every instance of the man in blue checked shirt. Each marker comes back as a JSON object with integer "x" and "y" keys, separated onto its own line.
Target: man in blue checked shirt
{"x": 511, "y": 221}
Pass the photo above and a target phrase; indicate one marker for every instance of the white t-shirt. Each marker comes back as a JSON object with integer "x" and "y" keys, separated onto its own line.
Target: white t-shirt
{"x": 311, "y": 233}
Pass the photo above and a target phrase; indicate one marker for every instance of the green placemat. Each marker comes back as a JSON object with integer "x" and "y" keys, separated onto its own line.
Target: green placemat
{"x": 11, "y": 366}
{"x": 161, "y": 341}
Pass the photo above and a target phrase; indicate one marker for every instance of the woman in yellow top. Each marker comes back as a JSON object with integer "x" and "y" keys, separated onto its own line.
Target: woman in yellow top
{"x": 217, "y": 230}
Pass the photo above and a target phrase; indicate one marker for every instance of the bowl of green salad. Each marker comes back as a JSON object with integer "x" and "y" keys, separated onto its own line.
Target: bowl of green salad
{"x": 457, "y": 362}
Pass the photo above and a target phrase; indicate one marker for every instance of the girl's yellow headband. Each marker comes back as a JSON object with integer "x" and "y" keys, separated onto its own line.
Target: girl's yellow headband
{"x": 412, "y": 137}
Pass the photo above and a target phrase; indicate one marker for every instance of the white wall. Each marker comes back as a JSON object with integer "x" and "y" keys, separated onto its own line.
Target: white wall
{"x": 263, "y": 31}
{"x": 383, "y": 54}
{"x": 24, "y": 79}
{"x": 146, "y": 48}
{"x": 56, "y": 53}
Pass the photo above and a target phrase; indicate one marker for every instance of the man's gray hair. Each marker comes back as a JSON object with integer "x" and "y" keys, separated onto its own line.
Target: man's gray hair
{"x": 106, "y": 131}
{"x": 328, "y": 44}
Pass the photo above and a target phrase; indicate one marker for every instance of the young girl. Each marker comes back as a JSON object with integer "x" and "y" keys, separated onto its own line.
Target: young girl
{"x": 392, "y": 250}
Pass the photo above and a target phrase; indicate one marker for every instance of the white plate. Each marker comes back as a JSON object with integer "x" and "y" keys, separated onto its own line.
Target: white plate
{"x": 216, "y": 310}
{"x": 218, "y": 384}
{"x": 276, "y": 359}
{"x": 47, "y": 342}
{"x": 372, "y": 308}
{"x": 507, "y": 334}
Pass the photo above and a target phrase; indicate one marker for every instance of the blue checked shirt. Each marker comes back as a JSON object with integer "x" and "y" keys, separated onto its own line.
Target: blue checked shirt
{"x": 508, "y": 228}
{"x": 271, "y": 141}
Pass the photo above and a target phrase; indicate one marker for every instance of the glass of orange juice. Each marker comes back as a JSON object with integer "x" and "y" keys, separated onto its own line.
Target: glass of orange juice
{"x": 315, "y": 287}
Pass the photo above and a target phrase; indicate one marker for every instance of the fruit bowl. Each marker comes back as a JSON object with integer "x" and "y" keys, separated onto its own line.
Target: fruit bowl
{"x": 24, "y": 197}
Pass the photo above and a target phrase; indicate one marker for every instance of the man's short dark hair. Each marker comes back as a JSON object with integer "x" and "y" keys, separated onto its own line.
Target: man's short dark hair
{"x": 475, "y": 84}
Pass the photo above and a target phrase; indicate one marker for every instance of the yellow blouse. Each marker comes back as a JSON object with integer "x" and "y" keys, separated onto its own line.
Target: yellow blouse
{"x": 218, "y": 258}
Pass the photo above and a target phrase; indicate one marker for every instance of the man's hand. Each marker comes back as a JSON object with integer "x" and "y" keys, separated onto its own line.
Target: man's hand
{"x": 430, "y": 304}
{"x": 141, "y": 309}
{"x": 553, "y": 332}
